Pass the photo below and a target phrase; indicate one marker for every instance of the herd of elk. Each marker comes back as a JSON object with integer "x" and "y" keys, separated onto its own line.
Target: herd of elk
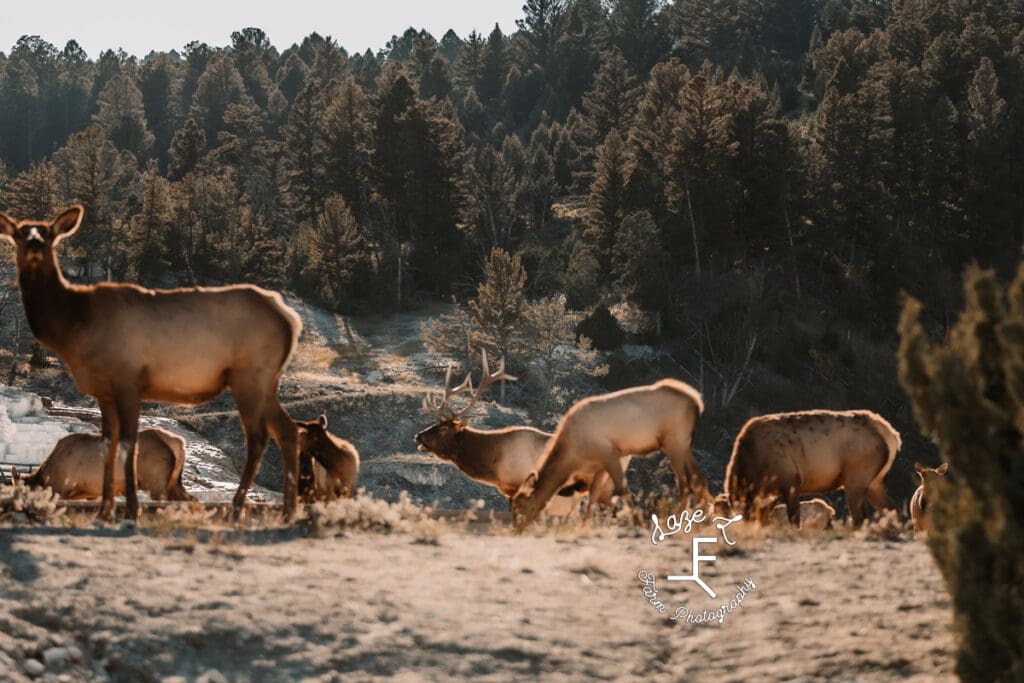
{"x": 123, "y": 344}
{"x": 502, "y": 458}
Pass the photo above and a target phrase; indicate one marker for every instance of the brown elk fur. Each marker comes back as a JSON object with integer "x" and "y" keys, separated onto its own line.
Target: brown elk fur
{"x": 74, "y": 468}
{"x": 919, "y": 501}
{"x": 816, "y": 451}
{"x": 328, "y": 466}
{"x": 502, "y": 458}
{"x": 598, "y": 432}
{"x": 123, "y": 344}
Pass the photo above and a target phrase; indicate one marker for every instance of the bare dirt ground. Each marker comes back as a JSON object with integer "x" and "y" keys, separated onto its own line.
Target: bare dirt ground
{"x": 445, "y": 601}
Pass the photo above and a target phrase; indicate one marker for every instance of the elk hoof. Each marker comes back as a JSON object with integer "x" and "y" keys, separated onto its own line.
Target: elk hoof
{"x": 128, "y": 525}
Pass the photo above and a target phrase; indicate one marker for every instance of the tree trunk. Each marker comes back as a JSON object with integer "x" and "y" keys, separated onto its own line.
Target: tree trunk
{"x": 693, "y": 223}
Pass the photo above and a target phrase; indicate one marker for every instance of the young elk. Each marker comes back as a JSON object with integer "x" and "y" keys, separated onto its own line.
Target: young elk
{"x": 815, "y": 451}
{"x": 919, "y": 503}
{"x": 501, "y": 458}
{"x": 328, "y": 466}
{"x": 74, "y": 468}
{"x": 598, "y": 432}
{"x": 123, "y": 344}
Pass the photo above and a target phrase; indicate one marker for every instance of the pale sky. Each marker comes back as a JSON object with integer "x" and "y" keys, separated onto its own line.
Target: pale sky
{"x": 139, "y": 27}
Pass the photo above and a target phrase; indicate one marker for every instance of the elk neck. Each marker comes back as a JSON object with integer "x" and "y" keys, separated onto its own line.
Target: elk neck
{"x": 53, "y": 307}
{"x": 472, "y": 453}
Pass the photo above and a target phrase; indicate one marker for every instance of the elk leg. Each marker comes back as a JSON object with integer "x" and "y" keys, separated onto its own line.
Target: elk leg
{"x": 793, "y": 506}
{"x": 880, "y": 500}
{"x": 128, "y": 416}
{"x": 287, "y": 436}
{"x": 855, "y": 501}
{"x": 690, "y": 481}
{"x": 596, "y": 494}
{"x": 110, "y": 427}
{"x": 255, "y": 443}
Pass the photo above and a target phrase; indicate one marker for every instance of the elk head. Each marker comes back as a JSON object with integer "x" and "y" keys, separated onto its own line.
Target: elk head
{"x": 928, "y": 475}
{"x": 34, "y": 241}
{"x": 441, "y": 438}
{"x": 313, "y": 435}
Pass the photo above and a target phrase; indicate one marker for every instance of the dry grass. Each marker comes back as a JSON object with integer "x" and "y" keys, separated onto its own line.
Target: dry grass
{"x": 365, "y": 513}
{"x": 20, "y": 504}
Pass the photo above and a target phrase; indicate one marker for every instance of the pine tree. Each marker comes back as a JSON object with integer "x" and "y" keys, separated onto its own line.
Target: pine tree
{"x": 499, "y": 306}
{"x": 291, "y": 77}
{"x": 304, "y": 139}
{"x": 989, "y": 213}
{"x": 469, "y": 69}
{"x": 609, "y": 105}
{"x": 159, "y": 82}
{"x": 346, "y": 144}
{"x": 122, "y": 115}
{"x": 339, "y": 261}
{"x": 968, "y": 396}
{"x": 149, "y": 227}
{"x": 494, "y": 70}
{"x": 639, "y": 262}
{"x": 540, "y": 27}
{"x": 219, "y": 87}
{"x": 187, "y": 148}
{"x": 607, "y": 202}
{"x": 33, "y": 194}
{"x": 640, "y": 32}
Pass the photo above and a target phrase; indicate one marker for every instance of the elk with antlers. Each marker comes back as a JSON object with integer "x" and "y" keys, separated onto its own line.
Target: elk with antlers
{"x": 123, "y": 344}
{"x": 500, "y": 457}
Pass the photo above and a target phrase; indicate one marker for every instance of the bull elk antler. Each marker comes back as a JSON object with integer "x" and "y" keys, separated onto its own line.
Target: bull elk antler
{"x": 441, "y": 408}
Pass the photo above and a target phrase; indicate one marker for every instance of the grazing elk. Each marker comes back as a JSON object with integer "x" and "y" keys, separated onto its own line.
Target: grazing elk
{"x": 501, "y": 458}
{"x": 598, "y": 432}
{"x": 74, "y": 468}
{"x": 816, "y": 451}
{"x": 123, "y": 344}
{"x": 328, "y": 466}
{"x": 919, "y": 502}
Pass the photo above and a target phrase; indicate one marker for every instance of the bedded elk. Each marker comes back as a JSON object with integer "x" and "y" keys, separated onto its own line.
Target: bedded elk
{"x": 501, "y": 458}
{"x": 815, "y": 514}
{"x": 919, "y": 502}
{"x": 597, "y": 432}
{"x": 74, "y": 468}
{"x": 328, "y": 466}
{"x": 123, "y": 344}
{"x": 816, "y": 451}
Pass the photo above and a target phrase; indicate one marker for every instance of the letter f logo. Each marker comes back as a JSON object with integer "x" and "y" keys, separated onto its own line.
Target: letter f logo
{"x": 697, "y": 557}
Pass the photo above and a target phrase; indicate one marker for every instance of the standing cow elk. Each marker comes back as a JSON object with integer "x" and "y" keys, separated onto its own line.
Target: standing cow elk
{"x": 74, "y": 468}
{"x": 501, "y": 458}
{"x": 328, "y": 466}
{"x": 816, "y": 451}
{"x": 123, "y": 344}
{"x": 598, "y": 432}
{"x": 919, "y": 502}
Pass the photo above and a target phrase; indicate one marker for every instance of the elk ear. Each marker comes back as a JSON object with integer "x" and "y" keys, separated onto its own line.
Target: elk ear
{"x": 67, "y": 222}
{"x": 528, "y": 484}
{"x": 918, "y": 467}
{"x": 8, "y": 226}
{"x": 322, "y": 420}
{"x": 941, "y": 469}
